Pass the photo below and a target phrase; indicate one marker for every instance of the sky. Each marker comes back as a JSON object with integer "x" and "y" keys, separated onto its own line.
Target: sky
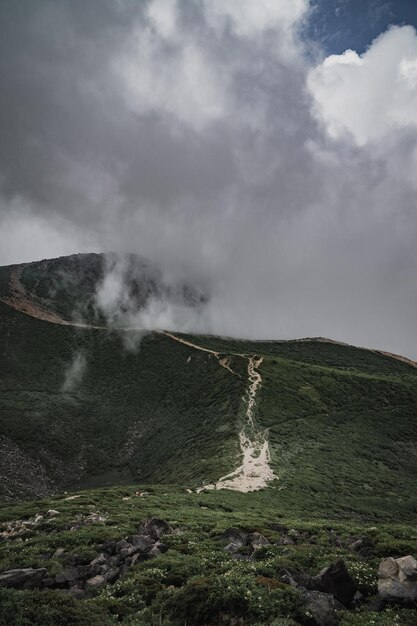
{"x": 265, "y": 151}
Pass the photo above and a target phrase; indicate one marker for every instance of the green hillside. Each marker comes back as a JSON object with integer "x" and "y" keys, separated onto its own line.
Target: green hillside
{"x": 84, "y": 407}
{"x": 120, "y": 412}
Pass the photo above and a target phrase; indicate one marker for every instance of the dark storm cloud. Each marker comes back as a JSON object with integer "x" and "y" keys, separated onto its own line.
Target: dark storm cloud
{"x": 199, "y": 135}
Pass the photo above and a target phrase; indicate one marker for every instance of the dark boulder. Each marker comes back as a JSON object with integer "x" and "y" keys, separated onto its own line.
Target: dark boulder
{"x": 235, "y": 536}
{"x": 257, "y": 540}
{"x": 112, "y": 575}
{"x": 26, "y": 578}
{"x": 143, "y": 543}
{"x": 337, "y": 581}
{"x": 155, "y": 528}
{"x": 322, "y": 608}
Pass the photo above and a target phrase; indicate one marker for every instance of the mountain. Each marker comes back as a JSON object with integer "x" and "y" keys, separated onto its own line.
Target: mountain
{"x": 85, "y": 403}
{"x": 213, "y": 480}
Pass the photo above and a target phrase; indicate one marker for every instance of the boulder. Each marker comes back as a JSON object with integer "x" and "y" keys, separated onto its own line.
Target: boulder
{"x": 337, "y": 581}
{"x": 155, "y": 528}
{"x": 257, "y": 540}
{"x": 287, "y": 541}
{"x": 59, "y": 552}
{"x": 52, "y": 513}
{"x": 397, "y": 579}
{"x": 96, "y": 582}
{"x": 322, "y": 607}
{"x": 112, "y": 575}
{"x": 99, "y": 560}
{"x": 114, "y": 561}
{"x": 155, "y": 551}
{"x": 233, "y": 548}
{"x": 26, "y": 578}
{"x": 235, "y": 536}
{"x": 128, "y": 551}
{"x": 121, "y": 545}
{"x": 71, "y": 574}
{"x": 141, "y": 542}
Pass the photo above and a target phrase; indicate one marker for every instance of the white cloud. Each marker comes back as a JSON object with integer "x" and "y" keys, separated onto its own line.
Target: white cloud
{"x": 250, "y": 18}
{"x": 372, "y": 95}
{"x": 183, "y": 84}
{"x": 162, "y": 14}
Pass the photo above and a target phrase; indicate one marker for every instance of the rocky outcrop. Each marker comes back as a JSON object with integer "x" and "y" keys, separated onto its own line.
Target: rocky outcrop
{"x": 397, "y": 579}
{"x": 114, "y": 559}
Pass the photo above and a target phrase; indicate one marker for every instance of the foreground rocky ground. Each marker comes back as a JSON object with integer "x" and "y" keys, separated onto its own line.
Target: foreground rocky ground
{"x": 167, "y": 556}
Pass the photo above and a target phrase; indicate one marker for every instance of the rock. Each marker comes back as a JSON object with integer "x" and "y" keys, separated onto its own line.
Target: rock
{"x": 104, "y": 569}
{"x": 322, "y": 607}
{"x": 99, "y": 560}
{"x": 257, "y": 540}
{"x": 397, "y": 579}
{"x": 112, "y": 575}
{"x": 142, "y": 543}
{"x": 25, "y": 578}
{"x": 136, "y": 558}
{"x": 52, "y": 513}
{"x": 287, "y": 541}
{"x": 408, "y": 567}
{"x": 59, "y": 552}
{"x": 38, "y": 519}
{"x": 60, "y": 580}
{"x": 121, "y": 545}
{"x": 356, "y": 545}
{"x": 154, "y": 552}
{"x": 155, "y": 528}
{"x": 235, "y": 536}
{"x": 233, "y": 548}
{"x": 337, "y": 581}
{"x": 114, "y": 560}
{"x": 128, "y": 551}
{"x": 96, "y": 582}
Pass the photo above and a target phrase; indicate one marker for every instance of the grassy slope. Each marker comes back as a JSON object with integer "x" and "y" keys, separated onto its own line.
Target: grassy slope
{"x": 342, "y": 421}
{"x": 342, "y": 426}
{"x": 147, "y": 413}
{"x": 195, "y": 582}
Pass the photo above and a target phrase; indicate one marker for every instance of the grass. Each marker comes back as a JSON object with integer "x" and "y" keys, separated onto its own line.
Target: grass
{"x": 196, "y": 581}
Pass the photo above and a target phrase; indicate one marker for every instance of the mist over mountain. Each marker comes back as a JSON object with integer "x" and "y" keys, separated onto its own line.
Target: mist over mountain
{"x": 226, "y": 145}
